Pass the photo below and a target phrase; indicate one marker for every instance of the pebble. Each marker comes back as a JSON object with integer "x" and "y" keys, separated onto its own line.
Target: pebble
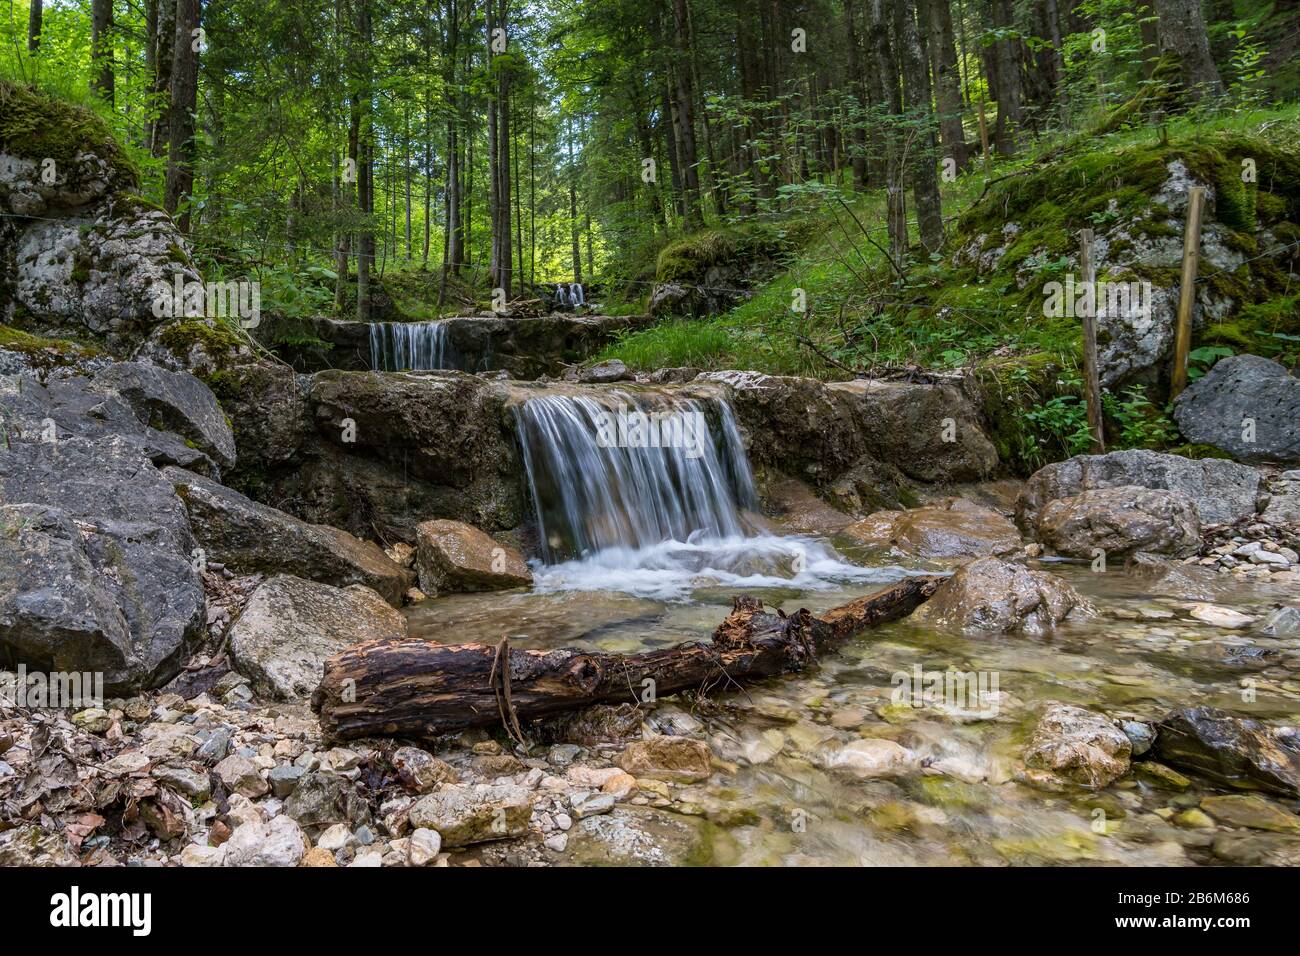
{"x": 423, "y": 847}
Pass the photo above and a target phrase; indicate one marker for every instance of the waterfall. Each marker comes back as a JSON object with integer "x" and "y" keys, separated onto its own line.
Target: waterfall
{"x": 418, "y": 346}
{"x": 623, "y": 471}
{"x": 653, "y": 495}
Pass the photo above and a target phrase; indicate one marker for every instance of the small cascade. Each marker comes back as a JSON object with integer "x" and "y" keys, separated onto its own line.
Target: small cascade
{"x": 625, "y": 471}
{"x": 653, "y": 495}
{"x": 418, "y": 346}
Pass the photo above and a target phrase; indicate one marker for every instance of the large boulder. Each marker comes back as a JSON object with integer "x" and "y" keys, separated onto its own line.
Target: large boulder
{"x": 253, "y": 537}
{"x": 1120, "y": 521}
{"x": 82, "y": 250}
{"x": 289, "y": 627}
{"x": 388, "y": 447}
{"x": 1221, "y": 491}
{"x": 174, "y": 402}
{"x": 930, "y": 430}
{"x": 1246, "y": 405}
{"x": 944, "y": 529}
{"x": 96, "y": 564}
{"x": 99, "y": 399}
{"x": 1237, "y": 752}
{"x": 453, "y": 556}
{"x": 1078, "y": 746}
{"x": 993, "y": 595}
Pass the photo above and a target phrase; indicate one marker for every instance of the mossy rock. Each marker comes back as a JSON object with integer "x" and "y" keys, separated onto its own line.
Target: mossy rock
{"x": 36, "y": 125}
{"x": 688, "y": 258}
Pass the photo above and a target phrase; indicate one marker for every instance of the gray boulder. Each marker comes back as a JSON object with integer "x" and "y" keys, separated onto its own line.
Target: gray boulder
{"x": 1221, "y": 491}
{"x": 1120, "y": 521}
{"x": 289, "y": 627}
{"x": 96, "y": 569}
{"x": 1237, "y": 752}
{"x": 85, "y": 402}
{"x": 993, "y": 595}
{"x": 250, "y": 536}
{"x": 173, "y": 402}
{"x": 1219, "y": 408}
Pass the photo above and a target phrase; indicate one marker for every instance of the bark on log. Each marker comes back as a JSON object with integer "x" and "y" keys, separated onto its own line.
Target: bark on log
{"x": 420, "y": 689}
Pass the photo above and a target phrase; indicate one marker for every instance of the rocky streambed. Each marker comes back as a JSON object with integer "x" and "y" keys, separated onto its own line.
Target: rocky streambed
{"x": 1085, "y": 733}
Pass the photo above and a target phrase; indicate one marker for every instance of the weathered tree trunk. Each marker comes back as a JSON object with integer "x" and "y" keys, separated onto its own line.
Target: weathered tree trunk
{"x": 947, "y": 86}
{"x": 685, "y": 116}
{"x": 920, "y": 152}
{"x": 1182, "y": 35}
{"x": 1052, "y": 15}
{"x": 365, "y": 166}
{"x": 858, "y": 137}
{"x": 101, "y": 48}
{"x": 179, "y": 182}
{"x": 164, "y": 45}
{"x": 419, "y": 689}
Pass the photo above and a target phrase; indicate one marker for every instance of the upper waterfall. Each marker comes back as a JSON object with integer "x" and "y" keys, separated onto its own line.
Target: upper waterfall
{"x": 418, "y": 346}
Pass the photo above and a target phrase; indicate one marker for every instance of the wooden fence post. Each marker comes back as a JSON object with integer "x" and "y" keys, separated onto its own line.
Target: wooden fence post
{"x": 1187, "y": 290}
{"x": 1091, "y": 377}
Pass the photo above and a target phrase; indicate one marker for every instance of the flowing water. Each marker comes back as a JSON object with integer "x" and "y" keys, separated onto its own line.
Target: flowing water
{"x": 646, "y": 547}
{"x": 418, "y": 346}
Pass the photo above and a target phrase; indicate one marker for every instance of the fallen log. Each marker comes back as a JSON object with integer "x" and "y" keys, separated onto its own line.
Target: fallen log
{"x": 420, "y": 689}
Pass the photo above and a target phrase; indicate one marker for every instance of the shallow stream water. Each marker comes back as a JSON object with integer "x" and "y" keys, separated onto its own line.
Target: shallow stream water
{"x": 779, "y": 802}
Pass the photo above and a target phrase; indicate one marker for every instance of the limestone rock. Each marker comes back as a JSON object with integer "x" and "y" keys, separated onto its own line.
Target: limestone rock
{"x": 464, "y": 814}
{"x": 1078, "y": 745}
{"x": 453, "y": 556}
{"x": 1120, "y": 521}
{"x": 1222, "y": 491}
{"x": 992, "y": 595}
{"x": 950, "y": 528}
{"x": 290, "y": 627}
{"x": 251, "y": 537}
{"x": 679, "y": 759}
{"x": 1238, "y": 752}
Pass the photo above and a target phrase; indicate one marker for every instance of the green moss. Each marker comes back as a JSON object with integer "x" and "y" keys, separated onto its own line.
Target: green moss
{"x": 217, "y": 338}
{"x": 43, "y": 352}
{"x": 689, "y": 257}
{"x": 35, "y": 125}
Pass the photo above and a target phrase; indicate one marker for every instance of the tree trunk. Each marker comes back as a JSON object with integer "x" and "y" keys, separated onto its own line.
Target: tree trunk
{"x": 420, "y": 689}
{"x": 1182, "y": 35}
{"x": 365, "y": 165}
{"x": 101, "y": 48}
{"x": 164, "y": 43}
{"x": 1052, "y": 14}
{"x": 685, "y": 116}
{"x": 34, "y": 25}
{"x": 858, "y": 136}
{"x": 892, "y": 104}
{"x": 179, "y": 182}
{"x": 1006, "y": 135}
{"x": 947, "y": 82}
{"x": 920, "y": 159}
{"x": 576, "y": 249}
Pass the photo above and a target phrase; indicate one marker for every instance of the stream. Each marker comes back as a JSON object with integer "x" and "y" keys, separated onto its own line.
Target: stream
{"x": 635, "y": 581}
